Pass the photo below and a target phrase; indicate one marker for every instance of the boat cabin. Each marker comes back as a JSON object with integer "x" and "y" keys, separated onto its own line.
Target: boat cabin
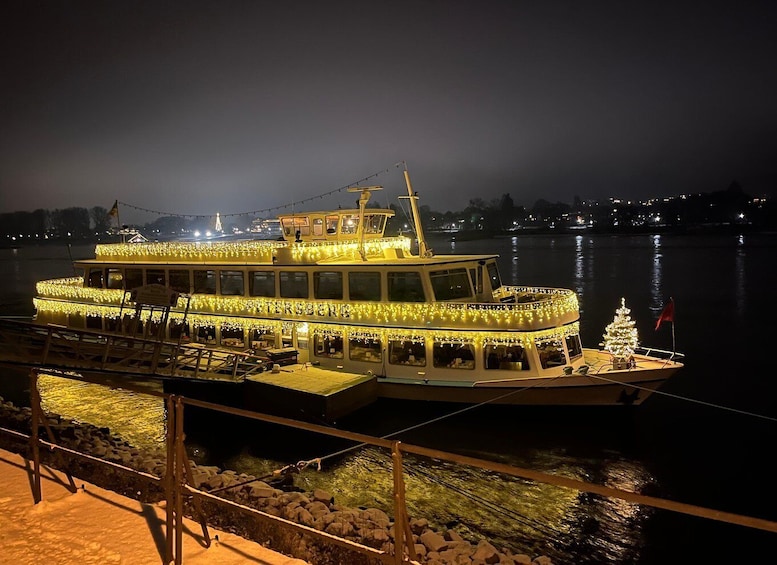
{"x": 335, "y": 225}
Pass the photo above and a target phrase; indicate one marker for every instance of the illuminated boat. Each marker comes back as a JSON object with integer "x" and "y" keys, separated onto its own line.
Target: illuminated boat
{"x": 337, "y": 293}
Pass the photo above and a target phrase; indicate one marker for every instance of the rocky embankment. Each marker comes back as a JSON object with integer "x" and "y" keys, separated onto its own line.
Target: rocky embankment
{"x": 317, "y": 509}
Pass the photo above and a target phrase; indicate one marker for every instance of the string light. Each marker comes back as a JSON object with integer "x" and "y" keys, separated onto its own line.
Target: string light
{"x": 557, "y": 308}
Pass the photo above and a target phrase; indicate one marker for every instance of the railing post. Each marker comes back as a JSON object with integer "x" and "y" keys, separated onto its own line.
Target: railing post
{"x": 180, "y": 453}
{"x": 35, "y": 405}
{"x": 170, "y": 479}
{"x": 403, "y": 537}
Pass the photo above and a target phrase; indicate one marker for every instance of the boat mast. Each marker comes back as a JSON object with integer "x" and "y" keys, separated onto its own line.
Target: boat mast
{"x": 364, "y": 197}
{"x": 423, "y": 250}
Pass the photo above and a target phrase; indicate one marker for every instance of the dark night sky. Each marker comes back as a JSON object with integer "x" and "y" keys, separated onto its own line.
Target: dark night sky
{"x": 196, "y": 107}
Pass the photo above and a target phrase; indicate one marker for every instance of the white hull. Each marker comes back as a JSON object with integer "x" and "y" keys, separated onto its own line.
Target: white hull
{"x": 600, "y": 386}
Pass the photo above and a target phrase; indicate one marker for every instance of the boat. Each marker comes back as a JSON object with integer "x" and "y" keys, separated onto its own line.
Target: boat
{"x": 337, "y": 293}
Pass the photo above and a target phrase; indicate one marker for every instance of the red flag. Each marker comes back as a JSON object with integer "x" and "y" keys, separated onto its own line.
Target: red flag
{"x": 667, "y": 315}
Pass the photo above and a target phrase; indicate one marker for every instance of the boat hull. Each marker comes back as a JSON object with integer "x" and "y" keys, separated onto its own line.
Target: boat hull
{"x": 600, "y": 385}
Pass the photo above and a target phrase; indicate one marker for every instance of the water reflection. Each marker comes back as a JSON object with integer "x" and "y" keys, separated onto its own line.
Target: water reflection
{"x": 136, "y": 418}
{"x": 656, "y": 277}
{"x": 739, "y": 273}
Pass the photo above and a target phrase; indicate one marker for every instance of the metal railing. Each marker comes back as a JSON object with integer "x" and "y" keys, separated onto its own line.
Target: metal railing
{"x": 178, "y": 484}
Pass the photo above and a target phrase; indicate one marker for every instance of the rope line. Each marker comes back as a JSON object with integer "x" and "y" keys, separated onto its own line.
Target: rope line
{"x": 265, "y": 210}
{"x": 427, "y": 422}
{"x": 687, "y": 399}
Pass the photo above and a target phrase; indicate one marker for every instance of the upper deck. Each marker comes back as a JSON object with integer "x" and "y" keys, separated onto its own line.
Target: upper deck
{"x": 335, "y": 225}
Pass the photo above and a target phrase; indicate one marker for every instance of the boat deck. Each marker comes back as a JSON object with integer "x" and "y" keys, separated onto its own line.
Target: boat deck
{"x": 305, "y": 391}
{"x": 309, "y": 378}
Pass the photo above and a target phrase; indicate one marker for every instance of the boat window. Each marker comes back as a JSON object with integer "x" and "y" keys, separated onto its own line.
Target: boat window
{"x": 113, "y": 324}
{"x": 206, "y": 334}
{"x": 262, "y": 338}
{"x": 574, "y": 347}
{"x": 262, "y": 283}
{"x": 493, "y": 275}
{"x": 232, "y": 336}
{"x": 179, "y": 280}
{"x": 328, "y": 285}
{"x": 405, "y": 286}
{"x": 328, "y": 345}
{"x": 114, "y": 278}
{"x": 95, "y": 278}
{"x": 364, "y": 286}
{"x": 551, "y": 353}
{"x": 94, "y": 322}
{"x": 406, "y": 352}
{"x": 318, "y": 226}
{"x": 294, "y": 284}
{"x": 296, "y": 224}
{"x": 231, "y": 283}
{"x": 510, "y": 357}
{"x": 204, "y": 281}
{"x": 331, "y": 225}
{"x": 179, "y": 329}
{"x": 155, "y": 276}
{"x": 454, "y": 355}
{"x": 133, "y": 278}
{"x": 349, "y": 224}
{"x": 365, "y": 349}
{"x": 450, "y": 284}
{"x": 373, "y": 223}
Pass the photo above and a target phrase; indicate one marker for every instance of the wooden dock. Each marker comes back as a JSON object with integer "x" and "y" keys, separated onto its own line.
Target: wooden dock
{"x": 308, "y": 392}
{"x": 299, "y": 391}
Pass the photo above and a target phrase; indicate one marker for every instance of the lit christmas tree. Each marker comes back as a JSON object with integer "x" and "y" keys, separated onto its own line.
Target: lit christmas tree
{"x": 620, "y": 337}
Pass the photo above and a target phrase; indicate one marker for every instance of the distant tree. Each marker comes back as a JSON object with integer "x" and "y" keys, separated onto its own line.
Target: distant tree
{"x": 100, "y": 219}
{"x": 71, "y": 222}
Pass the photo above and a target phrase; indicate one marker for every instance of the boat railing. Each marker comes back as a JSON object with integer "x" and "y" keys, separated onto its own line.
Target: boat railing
{"x": 81, "y": 350}
{"x": 659, "y": 353}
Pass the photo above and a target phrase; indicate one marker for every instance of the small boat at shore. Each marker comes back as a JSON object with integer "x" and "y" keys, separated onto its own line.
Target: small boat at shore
{"x": 337, "y": 293}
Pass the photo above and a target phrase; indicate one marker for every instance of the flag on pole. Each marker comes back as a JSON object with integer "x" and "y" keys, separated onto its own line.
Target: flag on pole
{"x": 114, "y": 212}
{"x": 667, "y": 315}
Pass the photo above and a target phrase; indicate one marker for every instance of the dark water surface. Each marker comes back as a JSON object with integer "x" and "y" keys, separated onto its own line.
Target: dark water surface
{"x": 715, "y": 451}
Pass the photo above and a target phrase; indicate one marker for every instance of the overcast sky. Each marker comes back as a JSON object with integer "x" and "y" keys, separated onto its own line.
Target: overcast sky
{"x": 196, "y": 107}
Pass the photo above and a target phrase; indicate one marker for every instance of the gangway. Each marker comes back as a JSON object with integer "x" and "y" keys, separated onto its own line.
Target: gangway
{"x": 91, "y": 351}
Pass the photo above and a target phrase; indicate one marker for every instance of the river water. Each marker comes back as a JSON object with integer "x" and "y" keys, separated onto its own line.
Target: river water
{"x": 708, "y": 438}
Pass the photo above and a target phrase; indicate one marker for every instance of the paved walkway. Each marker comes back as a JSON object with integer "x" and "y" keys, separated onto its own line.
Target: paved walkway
{"x": 96, "y": 526}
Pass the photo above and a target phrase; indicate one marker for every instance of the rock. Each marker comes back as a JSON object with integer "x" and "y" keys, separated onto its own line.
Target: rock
{"x": 434, "y": 541}
{"x": 542, "y": 560}
{"x": 375, "y": 516}
{"x": 485, "y": 552}
{"x": 375, "y": 537}
{"x": 340, "y": 529}
{"x": 521, "y": 559}
{"x": 260, "y": 489}
{"x": 300, "y": 515}
{"x": 419, "y": 525}
{"x": 321, "y": 495}
{"x": 318, "y": 509}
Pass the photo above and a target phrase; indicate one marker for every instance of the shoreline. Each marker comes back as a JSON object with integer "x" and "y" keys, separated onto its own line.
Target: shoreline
{"x": 317, "y": 509}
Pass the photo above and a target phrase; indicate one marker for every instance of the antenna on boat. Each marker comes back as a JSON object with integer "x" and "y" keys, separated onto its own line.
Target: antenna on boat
{"x": 423, "y": 250}
{"x": 364, "y": 197}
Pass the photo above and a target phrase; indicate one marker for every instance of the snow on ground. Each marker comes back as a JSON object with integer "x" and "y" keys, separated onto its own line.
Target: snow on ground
{"x": 97, "y": 526}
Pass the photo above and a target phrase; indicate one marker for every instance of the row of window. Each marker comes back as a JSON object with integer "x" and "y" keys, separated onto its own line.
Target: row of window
{"x": 401, "y": 286}
{"x": 513, "y": 356}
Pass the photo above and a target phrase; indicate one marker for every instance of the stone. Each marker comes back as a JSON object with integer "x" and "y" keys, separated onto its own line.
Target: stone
{"x": 419, "y": 525}
{"x": 486, "y": 552}
{"x": 340, "y": 529}
{"x": 542, "y": 560}
{"x": 375, "y": 516}
{"x": 434, "y": 541}
{"x": 321, "y": 495}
